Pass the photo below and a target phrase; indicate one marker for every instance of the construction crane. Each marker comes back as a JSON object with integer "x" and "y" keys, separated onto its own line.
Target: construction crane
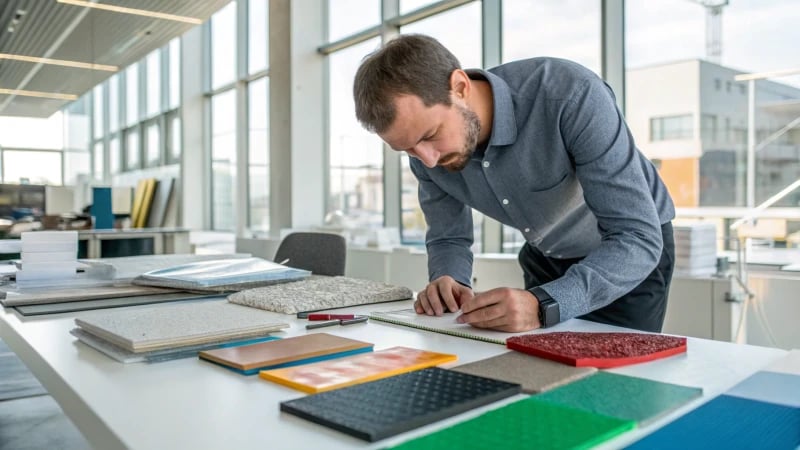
{"x": 713, "y": 28}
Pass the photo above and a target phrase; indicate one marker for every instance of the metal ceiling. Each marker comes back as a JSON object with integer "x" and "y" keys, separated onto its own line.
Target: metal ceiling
{"x": 63, "y": 31}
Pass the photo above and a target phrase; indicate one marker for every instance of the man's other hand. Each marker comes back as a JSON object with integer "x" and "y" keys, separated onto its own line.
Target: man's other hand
{"x": 503, "y": 309}
{"x": 440, "y": 295}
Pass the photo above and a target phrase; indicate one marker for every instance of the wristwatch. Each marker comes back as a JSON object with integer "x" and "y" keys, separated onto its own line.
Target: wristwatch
{"x": 549, "y": 312}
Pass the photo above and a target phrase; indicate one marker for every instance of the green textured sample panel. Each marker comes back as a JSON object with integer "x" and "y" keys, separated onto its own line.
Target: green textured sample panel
{"x": 527, "y": 424}
{"x": 622, "y": 396}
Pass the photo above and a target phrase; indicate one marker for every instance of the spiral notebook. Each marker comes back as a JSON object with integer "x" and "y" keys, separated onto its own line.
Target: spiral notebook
{"x": 445, "y": 324}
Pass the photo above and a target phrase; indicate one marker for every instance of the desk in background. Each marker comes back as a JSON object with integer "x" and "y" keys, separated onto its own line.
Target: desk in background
{"x": 133, "y": 242}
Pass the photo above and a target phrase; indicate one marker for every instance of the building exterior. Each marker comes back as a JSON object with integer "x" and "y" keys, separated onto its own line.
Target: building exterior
{"x": 690, "y": 117}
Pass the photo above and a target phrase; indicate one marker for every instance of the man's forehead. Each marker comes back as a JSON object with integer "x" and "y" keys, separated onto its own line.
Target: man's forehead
{"x": 408, "y": 125}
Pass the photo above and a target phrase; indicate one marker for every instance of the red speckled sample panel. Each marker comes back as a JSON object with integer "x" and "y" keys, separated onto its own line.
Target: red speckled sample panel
{"x": 601, "y": 350}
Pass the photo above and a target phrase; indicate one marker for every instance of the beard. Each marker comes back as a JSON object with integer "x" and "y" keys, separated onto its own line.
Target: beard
{"x": 472, "y": 129}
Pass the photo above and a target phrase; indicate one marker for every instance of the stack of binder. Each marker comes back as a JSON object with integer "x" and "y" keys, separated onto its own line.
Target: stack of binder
{"x": 695, "y": 249}
{"x": 48, "y": 257}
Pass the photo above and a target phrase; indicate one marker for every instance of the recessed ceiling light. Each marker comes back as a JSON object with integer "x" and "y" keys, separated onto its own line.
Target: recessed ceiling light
{"x": 59, "y": 62}
{"x": 138, "y": 12}
{"x": 39, "y": 94}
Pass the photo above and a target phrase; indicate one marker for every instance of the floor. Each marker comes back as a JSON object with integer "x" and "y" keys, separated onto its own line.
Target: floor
{"x": 29, "y": 418}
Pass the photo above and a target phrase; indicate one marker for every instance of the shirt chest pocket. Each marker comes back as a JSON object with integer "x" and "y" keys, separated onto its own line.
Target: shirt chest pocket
{"x": 549, "y": 206}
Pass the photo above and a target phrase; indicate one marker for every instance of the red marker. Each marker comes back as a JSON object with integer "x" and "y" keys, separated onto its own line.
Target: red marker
{"x": 331, "y": 316}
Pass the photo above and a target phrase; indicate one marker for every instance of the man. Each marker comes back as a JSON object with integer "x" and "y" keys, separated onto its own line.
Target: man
{"x": 539, "y": 145}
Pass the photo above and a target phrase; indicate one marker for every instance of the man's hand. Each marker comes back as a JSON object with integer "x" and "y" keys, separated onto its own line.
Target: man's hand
{"x": 503, "y": 309}
{"x": 443, "y": 293}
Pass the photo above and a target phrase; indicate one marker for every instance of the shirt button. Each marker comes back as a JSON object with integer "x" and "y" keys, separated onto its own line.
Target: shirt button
{"x": 527, "y": 230}
{"x": 547, "y": 252}
{"x": 486, "y": 164}
{"x": 505, "y": 201}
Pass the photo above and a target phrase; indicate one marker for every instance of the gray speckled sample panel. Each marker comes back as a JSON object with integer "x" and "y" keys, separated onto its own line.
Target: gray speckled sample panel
{"x": 174, "y": 325}
{"x": 319, "y": 293}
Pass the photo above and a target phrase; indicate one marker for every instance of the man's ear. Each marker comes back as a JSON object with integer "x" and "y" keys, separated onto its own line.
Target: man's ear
{"x": 459, "y": 84}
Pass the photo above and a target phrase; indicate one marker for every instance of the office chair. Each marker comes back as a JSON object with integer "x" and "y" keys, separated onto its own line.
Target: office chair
{"x": 321, "y": 253}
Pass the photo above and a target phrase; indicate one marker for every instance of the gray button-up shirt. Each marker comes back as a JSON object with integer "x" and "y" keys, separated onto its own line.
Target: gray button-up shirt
{"x": 560, "y": 166}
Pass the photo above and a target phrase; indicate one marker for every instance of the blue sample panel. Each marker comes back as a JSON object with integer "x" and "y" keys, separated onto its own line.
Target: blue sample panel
{"x": 728, "y": 422}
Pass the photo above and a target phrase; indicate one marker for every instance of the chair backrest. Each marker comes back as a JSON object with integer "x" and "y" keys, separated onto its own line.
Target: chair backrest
{"x": 321, "y": 253}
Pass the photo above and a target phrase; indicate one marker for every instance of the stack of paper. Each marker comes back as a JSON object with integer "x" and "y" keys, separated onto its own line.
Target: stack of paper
{"x": 222, "y": 275}
{"x": 178, "y": 325}
{"x": 695, "y": 249}
{"x": 48, "y": 257}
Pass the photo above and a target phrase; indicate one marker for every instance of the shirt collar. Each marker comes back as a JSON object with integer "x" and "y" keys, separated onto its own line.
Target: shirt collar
{"x": 504, "y": 125}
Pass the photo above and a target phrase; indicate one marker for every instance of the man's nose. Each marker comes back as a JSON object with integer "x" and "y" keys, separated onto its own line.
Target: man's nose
{"x": 427, "y": 154}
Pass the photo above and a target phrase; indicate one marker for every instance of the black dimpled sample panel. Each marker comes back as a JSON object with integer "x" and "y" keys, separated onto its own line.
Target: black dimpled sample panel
{"x": 384, "y": 408}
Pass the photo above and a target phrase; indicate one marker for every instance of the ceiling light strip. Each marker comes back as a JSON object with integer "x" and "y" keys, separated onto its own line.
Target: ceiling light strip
{"x": 39, "y": 94}
{"x": 59, "y": 62}
{"x": 138, "y": 12}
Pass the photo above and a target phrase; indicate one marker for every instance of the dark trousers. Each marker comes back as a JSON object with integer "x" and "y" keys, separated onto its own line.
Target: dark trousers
{"x": 642, "y": 308}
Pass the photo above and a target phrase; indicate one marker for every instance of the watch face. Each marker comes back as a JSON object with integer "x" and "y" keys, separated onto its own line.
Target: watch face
{"x": 549, "y": 313}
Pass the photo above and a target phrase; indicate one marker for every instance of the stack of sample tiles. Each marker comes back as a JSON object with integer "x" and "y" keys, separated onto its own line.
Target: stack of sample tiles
{"x": 177, "y": 328}
{"x": 48, "y": 257}
{"x": 695, "y": 249}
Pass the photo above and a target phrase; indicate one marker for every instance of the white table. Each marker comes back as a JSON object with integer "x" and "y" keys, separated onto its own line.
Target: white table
{"x": 189, "y": 403}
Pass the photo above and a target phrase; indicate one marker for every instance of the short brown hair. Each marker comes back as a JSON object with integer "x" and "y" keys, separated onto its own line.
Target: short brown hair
{"x": 409, "y": 64}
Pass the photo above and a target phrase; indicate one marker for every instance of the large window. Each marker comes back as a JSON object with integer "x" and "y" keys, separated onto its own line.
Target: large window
{"x": 153, "y": 97}
{"x": 133, "y": 151}
{"x": 97, "y": 112}
{"x": 672, "y": 127}
{"x": 567, "y": 29}
{"x": 31, "y": 149}
{"x": 223, "y": 160}
{"x": 449, "y": 29}
{"x": 223, "y": 46}
{"x": 132, "y": 94}
{"x": 77, "y": 157}
{"x": 258, "y": 155}
{"x": 356, "y": 156}
{"x": 174, "y": 73}
{"x": 114, "y": 155}
{"x": 258, "y": 31}
{"x": 113, "y": 104}
{"x": 342, "y": 21}
{"x": 32, "y": 167}
{"x": 152, "y": 148}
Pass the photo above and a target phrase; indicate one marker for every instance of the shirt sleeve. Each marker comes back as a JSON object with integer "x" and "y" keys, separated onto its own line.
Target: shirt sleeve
{"x": 612, "y": 174}
{"x": 450, "y": 235}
